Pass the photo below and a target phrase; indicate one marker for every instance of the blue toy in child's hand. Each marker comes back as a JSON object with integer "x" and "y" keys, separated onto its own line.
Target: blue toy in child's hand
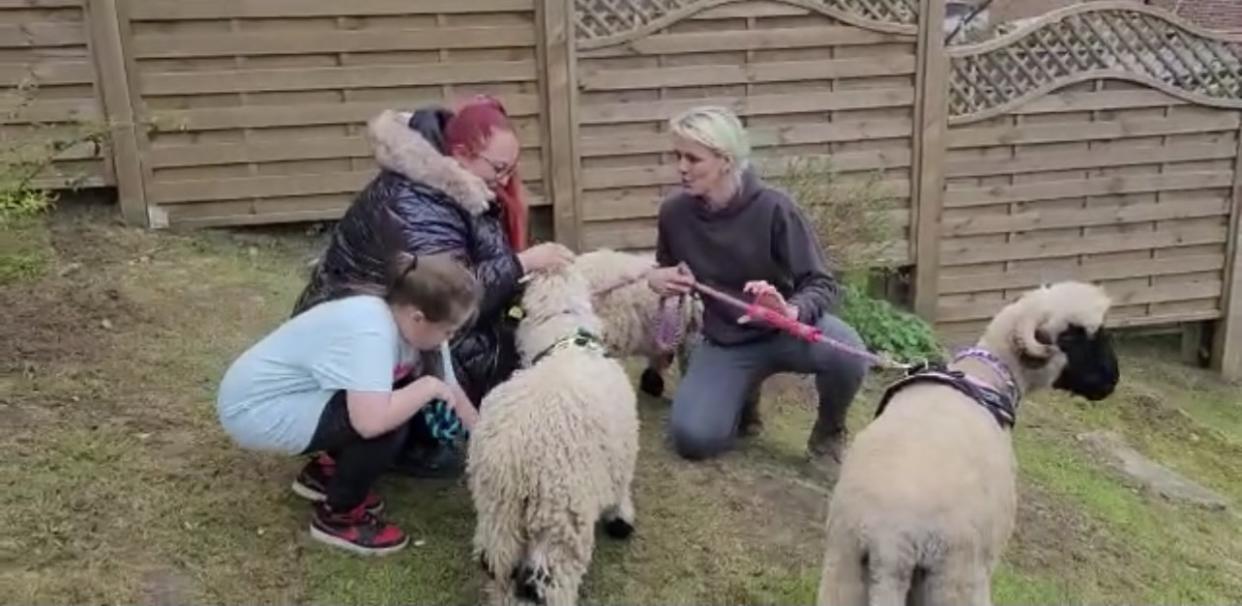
{"x": 442, "y": 420}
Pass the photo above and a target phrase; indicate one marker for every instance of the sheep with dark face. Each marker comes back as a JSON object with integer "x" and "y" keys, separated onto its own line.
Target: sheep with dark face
{"x": 926, "y": 497}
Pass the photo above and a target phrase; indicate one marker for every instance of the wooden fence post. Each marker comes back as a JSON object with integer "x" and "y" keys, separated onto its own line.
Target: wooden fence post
{"x": 112, "y": 78}
{"x": 559, "y": 103}
{"x": 1227, "y": 336}
{"x": 930, "y": 124}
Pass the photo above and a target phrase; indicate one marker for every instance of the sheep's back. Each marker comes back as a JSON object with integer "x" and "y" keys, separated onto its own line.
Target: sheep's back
{"x": 935, "y": 465}
{"x": 630, "y": 311}
{"x": 553, "y": 433}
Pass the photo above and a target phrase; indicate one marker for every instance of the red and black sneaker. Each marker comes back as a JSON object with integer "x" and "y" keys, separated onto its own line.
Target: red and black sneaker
{"x": 312, "y": 484}
{"x": 356, "y": 530}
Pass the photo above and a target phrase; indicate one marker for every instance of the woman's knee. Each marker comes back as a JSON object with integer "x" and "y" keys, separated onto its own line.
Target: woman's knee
{"x": 841, "y": 362}
{"x": 708, "y": 400}
{"x": 696, "y": 426}
{"x": 695, "y": 442}
{"x": 838, "y": 329}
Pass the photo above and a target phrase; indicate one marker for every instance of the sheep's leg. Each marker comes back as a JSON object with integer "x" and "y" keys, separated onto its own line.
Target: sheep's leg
{"x": 496, "y": 542}
{"x": 652, "y": 380}
{"x": 842, "y": 580}
{"x": 960, "y": 579}
{"x": 566, "y": 561}
{"x": 619, "y": 519}
{"x": 564, "y": 589}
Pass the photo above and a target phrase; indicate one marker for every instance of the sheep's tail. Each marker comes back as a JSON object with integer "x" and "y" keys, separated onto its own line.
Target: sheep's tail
{"x": 888, "y": 574}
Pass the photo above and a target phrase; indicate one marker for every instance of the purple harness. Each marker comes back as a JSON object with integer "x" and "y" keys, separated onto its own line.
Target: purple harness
{"x": 1002, "y": 403}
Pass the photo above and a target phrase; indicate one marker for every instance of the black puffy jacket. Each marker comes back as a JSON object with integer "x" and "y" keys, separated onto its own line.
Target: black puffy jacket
{"x": 437, "y": 207}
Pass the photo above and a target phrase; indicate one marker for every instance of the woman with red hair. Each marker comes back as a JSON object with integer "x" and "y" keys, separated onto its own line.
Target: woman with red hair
{"x": 449, "y": 183}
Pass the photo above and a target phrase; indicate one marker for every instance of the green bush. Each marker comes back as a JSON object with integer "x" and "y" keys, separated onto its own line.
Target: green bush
{"x": 29, "y": 154}
{"x": 854, "y": 222}
{"x": 26, "y": 154}
{"x": 853, "y": 218}
{"x": 18, "y": 204}
{"x": 886, "y": 328}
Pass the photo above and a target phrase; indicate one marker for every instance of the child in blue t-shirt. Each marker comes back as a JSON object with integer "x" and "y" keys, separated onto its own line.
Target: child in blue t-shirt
{"x": 323, "y": 382}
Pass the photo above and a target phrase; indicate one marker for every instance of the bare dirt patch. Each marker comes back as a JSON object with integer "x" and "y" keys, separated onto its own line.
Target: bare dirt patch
{"x": 164, "y": 587}
{"x": 61, "y": 321}
{"x": 67, "y": 316}
{"x": 785, "y": 512}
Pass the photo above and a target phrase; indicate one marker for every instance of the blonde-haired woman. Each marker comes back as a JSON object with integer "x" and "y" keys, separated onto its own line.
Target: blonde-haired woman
{"x": 729, "y": 229}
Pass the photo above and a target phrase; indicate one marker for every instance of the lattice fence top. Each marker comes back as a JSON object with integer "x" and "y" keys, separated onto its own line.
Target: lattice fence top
{"x": 1093, "y": 40}
{"x": 597, "y": 20}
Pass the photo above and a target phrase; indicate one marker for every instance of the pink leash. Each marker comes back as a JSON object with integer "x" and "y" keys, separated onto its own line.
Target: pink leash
{"x": 799, "y": 330}
{"x": 669, "y": 327}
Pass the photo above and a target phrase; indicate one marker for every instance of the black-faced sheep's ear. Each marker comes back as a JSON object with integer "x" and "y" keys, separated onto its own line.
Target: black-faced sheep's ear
{"x": 1032, "y": 342}
{"x": 1029, "y": 359}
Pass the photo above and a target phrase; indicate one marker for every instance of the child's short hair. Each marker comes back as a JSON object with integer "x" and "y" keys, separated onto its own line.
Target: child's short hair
{"x": 438, "y": 285}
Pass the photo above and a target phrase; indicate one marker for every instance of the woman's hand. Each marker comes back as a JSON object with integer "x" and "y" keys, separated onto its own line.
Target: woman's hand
{"x": 767, "y": 296}
{"x": 670, "y": 281}
{"x": 545, "y": 256}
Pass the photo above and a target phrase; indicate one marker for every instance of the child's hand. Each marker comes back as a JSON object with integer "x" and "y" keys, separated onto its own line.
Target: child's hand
{"x": 461, "y": 404}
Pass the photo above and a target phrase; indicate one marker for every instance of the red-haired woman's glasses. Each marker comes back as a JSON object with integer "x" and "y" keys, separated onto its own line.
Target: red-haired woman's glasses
{"x": 502, "y": 169}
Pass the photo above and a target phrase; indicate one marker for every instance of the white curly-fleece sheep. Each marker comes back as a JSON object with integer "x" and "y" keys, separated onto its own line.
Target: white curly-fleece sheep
{"x": 926, "y": 497}
{"x": 553, "y": 451}
{"x": 631, "y": 313}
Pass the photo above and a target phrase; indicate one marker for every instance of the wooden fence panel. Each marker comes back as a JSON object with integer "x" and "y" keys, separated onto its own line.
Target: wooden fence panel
{"x": 1076, "y": 151}
{"x": 46, "y": 44}
{"x": 831, "y": 79}
{"x": 260, "y": 107}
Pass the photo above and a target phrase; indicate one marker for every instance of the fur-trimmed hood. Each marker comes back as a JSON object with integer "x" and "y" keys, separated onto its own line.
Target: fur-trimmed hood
{"x": 405, "y": 151}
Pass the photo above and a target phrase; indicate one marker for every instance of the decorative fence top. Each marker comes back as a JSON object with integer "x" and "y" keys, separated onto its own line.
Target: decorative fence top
{"x": 1104, "y": 39}
{"x": 604, "y": 22}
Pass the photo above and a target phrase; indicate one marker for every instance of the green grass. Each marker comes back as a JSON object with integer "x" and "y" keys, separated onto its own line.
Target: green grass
{"x": 120, "y": 486}
{"x": 25, "y": 249}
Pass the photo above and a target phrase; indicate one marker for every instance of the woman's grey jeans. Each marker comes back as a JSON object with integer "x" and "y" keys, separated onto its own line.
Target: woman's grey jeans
{"x": 710, "y": 397}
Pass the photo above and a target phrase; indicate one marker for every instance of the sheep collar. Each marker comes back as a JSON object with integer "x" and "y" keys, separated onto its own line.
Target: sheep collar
{"x": 1012, "y": 391}
{"x": 582, "y": 338}
{"x": 1001, "y": 403}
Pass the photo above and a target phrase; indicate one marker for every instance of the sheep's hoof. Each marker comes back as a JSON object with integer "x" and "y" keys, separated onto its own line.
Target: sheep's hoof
{"x": 618, "y": 528}
{"x": 652, "y": 383}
